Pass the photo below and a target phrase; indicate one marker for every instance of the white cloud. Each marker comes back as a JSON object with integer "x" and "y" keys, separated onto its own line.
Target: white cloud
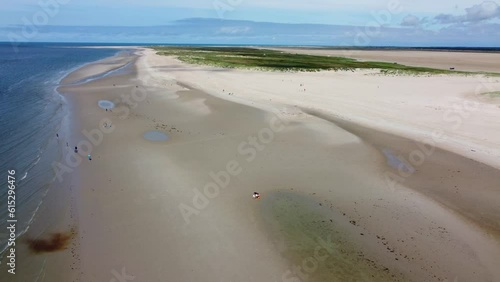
{"x": 410, "y": 20}
{"x": 485, "y": 11}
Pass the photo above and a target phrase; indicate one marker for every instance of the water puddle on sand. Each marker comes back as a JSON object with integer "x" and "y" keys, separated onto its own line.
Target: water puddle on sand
{"x": 105, "y": 104}
{"x": 397, "y": 162}
{"x": 315, "y": 242}
{"x": 156, "y": 136}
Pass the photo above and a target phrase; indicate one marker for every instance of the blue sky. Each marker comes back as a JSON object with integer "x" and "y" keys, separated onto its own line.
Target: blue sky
{"x": 314, "y": 22}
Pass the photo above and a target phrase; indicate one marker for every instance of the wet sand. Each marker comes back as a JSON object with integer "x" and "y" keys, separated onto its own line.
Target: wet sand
{"x": 181, "y": 208}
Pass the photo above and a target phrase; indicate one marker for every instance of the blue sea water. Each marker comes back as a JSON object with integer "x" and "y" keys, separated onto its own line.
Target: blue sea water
{"x": 31, "y": 112}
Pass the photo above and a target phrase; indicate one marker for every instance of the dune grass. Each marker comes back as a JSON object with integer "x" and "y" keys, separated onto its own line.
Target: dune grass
{"x": 242, "y": 57}
{"x": 495, "y": 94}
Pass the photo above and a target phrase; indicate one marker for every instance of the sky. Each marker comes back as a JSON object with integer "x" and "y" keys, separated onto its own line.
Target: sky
{"x": 467, "y": 23}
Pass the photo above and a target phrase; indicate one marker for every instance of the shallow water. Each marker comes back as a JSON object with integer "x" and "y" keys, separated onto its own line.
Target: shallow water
{"x": 105, "y": 104}
{"x": 156, "y": 136}
{"x": 315, "y": 240}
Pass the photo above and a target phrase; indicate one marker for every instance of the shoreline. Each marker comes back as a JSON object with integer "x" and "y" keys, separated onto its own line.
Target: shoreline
{"x": 56, "y": 213}
{"x": 316, "y": 176}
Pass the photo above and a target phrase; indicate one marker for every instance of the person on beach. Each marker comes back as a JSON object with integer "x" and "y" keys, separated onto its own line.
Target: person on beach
{"x": 57, "y": 135}
{"x": 256, "y": 195}
{"x": 76, "y": 149}
{"x": 90, "y": 157}
{"x": 67, "y": 145}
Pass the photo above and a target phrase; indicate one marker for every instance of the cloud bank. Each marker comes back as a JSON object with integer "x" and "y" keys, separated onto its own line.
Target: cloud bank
{"x": 478, "y": 13}
{"x": 216, "y": 31}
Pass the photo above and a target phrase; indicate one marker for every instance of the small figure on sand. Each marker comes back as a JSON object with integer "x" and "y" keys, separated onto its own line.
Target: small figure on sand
{"x": 76, "y": 149}
{"x": 90, "y": 157}
{"x": 67, "y": 145}
{"x": 57, "y": 135}
{"x": 256, "y": 195}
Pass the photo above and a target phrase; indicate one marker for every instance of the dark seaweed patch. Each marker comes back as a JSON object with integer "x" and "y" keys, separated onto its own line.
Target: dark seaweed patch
{"x": 56, "y": 242}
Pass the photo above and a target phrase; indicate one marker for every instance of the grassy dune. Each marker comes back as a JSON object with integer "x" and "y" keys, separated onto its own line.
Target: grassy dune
{"x": 239, "y": 57}
{"x": 495, "y": 94}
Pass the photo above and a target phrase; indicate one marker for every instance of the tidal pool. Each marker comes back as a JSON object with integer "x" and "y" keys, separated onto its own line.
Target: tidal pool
{"x": 156, "y": 136}
{"x": 105, "y": 104}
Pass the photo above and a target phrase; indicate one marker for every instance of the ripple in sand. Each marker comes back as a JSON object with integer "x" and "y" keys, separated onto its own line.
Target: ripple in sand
{"x": 156, "y": 136}
{"x": 105, "y": 104}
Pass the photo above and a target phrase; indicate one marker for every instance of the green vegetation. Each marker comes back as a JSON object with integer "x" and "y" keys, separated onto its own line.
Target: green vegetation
{"x": 239, "y": 57}
{"x": 495, "y": 94}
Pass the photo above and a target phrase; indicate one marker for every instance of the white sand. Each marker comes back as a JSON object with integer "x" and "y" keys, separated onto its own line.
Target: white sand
{"x": 409, "y": 106}
{"x": 412, "y": 107}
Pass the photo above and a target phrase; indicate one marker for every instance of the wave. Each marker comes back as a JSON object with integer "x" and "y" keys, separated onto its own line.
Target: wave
{"x": 37, "y": 160}
{"x": 30, "y": 221}
{"x": 101, "y": 75}
{"x": 73, "y": 69}
{"x": 24, "y": 177}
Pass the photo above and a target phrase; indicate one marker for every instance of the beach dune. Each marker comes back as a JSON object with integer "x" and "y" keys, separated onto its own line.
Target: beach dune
{"x": 458, "y": 60}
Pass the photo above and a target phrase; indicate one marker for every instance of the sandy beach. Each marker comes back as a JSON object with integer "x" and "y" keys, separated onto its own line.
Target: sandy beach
{"x": 363, "y": 176}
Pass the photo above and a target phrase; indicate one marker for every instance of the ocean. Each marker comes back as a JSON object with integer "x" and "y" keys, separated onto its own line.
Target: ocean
{"x": 31, "y": 114}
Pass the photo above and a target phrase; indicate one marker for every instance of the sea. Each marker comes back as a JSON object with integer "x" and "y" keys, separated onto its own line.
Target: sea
{"x": 31, "y": 115}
